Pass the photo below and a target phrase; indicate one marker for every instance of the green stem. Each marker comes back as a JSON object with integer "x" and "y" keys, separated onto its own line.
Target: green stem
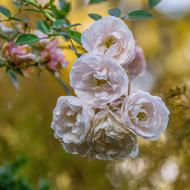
{"x": 62, "y": 82}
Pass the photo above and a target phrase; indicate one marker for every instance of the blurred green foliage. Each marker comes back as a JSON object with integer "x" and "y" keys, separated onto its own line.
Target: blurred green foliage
{"x": 11, "y": 180}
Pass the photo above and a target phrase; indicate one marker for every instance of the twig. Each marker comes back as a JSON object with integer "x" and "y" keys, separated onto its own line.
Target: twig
{"x": 62, "y": 82}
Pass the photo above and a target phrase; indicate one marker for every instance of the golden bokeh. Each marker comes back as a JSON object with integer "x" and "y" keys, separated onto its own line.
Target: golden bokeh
{"x": 25, "y": 115}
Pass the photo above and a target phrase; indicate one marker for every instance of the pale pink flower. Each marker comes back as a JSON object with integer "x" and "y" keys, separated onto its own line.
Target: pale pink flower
{"x": 138, "y": 66}
{"x": 110, "y": 36}
{"x": 108, "y": 138}
{"x": 53, "y": 56}
{"x": 145, "y": 114}
{"x": 71, "y": 123}
{"x": 19, "y": 54}
{"x": 98, "y": 79}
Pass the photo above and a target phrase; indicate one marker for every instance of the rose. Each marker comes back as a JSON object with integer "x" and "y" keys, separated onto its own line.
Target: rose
{"x": 98, "y": 80}
{"x": 71, "y": 122}
{"x": 19, "y": 54}
{"x": 53, "y": 56}
{"x": 108, "y": 139}
{"x": 110, "y": 36}
{"x": 137, "y": 66}
{"x": 145, "y": 114}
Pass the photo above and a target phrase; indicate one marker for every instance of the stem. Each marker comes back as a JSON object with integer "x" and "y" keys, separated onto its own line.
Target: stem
{"x": 62, "y": 82}
{"x": 72, "y": 46}
{"x": 129, "y": 88}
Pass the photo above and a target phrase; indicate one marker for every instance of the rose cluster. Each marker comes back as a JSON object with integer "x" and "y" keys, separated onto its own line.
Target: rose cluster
{"x": 104, "y": 120}
{"x": 45, "y": 53}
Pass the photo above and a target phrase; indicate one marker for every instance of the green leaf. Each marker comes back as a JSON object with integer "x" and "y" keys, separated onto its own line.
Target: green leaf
{"x": 138, "y": 14}
{"x": 65, "y": 6}
{"x": 1, "y": 63}
{"x": 59, "y": 23}
{"x": 43, "y": 26}
{"x": 95, "y": 1}
{"x": 59, "y": 14}
{"x": 94, "y": 16}
{"x": 115, "y": 12}
{"x": 44, "y": 185}
{"x": 153, "y": 3}
{"x": 31, "y": 2}
{"x": 27, "y": 39}
{"x": 5, "y": 11}
{"x": 75, "y": 35}
{"x": 52, "y": 2}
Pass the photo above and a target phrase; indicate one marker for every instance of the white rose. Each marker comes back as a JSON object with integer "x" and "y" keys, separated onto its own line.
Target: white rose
{"x": 145, "y": 114}
{"x": 110, "y": 36}
{"x": 71, "y": 122}
{"x": 98, "y": 80}
{"x": 108, "y": 139}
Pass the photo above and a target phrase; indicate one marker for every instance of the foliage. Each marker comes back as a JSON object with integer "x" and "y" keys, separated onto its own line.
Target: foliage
{"x": 53, "y": 23}
{"x": 153, "y": 3}
{"x": 11, "y": 180}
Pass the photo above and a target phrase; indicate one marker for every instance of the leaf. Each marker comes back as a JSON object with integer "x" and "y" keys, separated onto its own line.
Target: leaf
{"x": 31, "y": 2}
{"x": 43, "y": 26}
{"x": 94, "y": 16}
{"x": 95, "y": 1}
{"x": 75, "y": 35}
{"x": 44, "y": 185}
{"x": 138, "y": 14}
{"x": 59, "y": 14}
{"x": 27, "y": 39}
{"x": 1, "y": 63}
{"x": 59, "y": 23}
{"x": 65, "y": 6}
{"x": 51, "y": 2}
{"x": 5, "y": 11}
{"x": 115, "y": 12}
{"x": 153, "y": 3}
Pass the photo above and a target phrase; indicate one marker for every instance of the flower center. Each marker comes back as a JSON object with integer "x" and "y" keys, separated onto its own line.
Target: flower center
{"x": 99, "y": 82}
{"x": 100, "y": 77}
{"x": 108, "y": 42}
{"x": 142, "y": 116}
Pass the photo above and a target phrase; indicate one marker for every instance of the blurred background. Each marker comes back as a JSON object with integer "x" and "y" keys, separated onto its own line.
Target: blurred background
{"x": 26, "y": 114}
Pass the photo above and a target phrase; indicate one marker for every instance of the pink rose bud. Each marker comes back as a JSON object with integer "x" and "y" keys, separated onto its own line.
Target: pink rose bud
{"x": 53, "y": 56}
{"x": 18, "y": 54}
{"x": 137, "y": 66}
